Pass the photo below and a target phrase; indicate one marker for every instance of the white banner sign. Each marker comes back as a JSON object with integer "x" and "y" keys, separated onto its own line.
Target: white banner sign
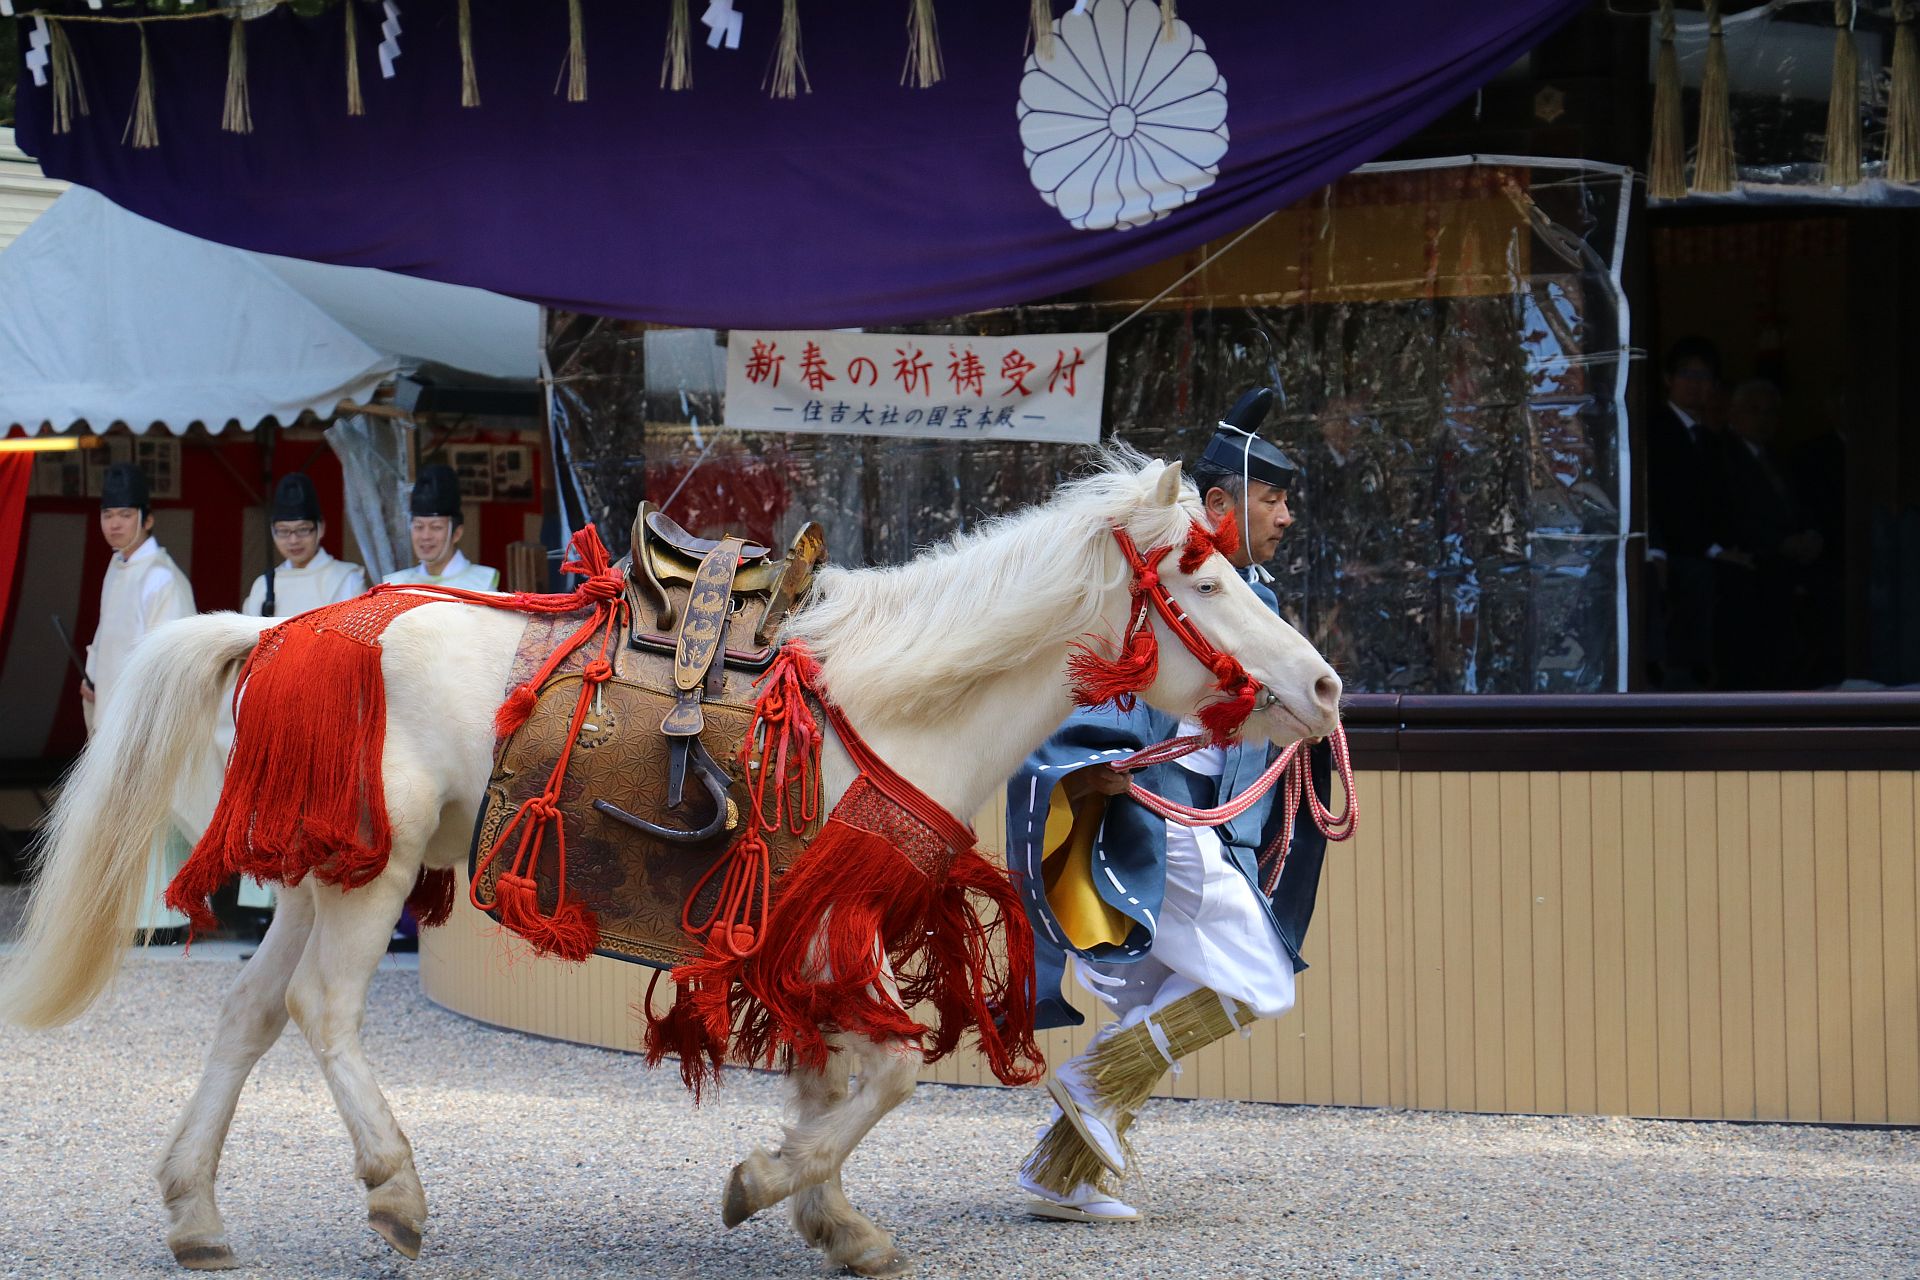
{"x": 1033, "y": 386}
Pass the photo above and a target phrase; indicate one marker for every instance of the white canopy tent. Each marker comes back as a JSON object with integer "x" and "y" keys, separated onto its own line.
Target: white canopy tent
{"x": 108, "y": 317}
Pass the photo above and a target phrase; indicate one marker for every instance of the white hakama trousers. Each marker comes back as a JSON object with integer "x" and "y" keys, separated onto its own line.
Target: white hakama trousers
{"x": 1212, "y": 932}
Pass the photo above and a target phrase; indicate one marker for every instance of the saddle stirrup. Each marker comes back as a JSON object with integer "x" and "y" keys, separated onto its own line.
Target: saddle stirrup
{"x": 711, "y": 775}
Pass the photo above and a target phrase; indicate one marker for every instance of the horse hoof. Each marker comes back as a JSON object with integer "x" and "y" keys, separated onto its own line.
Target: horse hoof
{"x": 737, "y": 1202}
{"x": 205, "y": 1257}
{"x": 404, "y": 1238}
{"x": 880, "y": 1262}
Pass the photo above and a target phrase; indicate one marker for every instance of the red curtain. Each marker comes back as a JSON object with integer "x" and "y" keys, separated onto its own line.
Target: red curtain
{"x": 16, "y": 469}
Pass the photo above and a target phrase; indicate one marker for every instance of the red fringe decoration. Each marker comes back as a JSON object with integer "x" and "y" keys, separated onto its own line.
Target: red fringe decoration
{"x": 875, "y": 872}
{"x": 432, "y": 898}
{"x": 303, "y": 790}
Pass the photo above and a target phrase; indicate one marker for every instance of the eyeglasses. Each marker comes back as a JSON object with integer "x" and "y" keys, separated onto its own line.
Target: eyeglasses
{"x": 281, "y": 531}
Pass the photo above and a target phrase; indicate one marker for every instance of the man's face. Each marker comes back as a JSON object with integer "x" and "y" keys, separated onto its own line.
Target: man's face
{"x": 434, "y": 540}
{"x": 298, "y": 540}
{"x": 1265, "y": 521}
{"x": 124, "y": 527}
{"x": 1690, "y": 387}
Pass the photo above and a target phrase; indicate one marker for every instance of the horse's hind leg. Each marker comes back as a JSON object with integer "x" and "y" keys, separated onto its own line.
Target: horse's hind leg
{"x": 329, "y": 1002}
{"x": 821, "y": 1213}
{"x": 251, "y": 1019}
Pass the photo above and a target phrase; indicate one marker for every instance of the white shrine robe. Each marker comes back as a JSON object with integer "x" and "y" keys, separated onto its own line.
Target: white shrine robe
{"x": 322, "y": 580}
{"x": 140, "y": 592}
{"x": 460, "y": 572}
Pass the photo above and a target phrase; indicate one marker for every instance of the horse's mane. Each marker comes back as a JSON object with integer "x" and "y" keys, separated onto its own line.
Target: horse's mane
{"x": 902, "y": 641}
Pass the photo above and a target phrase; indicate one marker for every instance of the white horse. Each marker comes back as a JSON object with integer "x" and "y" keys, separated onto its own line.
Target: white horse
{"x": 953, "y": 667}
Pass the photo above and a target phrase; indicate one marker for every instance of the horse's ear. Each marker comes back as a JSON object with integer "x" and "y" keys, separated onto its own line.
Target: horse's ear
{"x": 1166, "y": 491}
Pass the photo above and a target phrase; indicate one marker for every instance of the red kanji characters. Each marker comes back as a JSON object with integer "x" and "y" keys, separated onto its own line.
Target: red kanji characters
{"x": 763, "y": 365}
{"x": 913, "y": 370}
{"x": 1064, "y": 370}
{"x": 813, "y": 368}
{"x": 1014, "y": 369}
{"x": 855, "y": 366}
{"x": 966, "y": 372}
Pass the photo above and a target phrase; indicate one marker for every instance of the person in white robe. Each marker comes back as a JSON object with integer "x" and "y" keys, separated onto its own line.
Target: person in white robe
{"x": 435, "y": 531}
{"x": 306, "y": 579}
{"x": 143, "y": 589}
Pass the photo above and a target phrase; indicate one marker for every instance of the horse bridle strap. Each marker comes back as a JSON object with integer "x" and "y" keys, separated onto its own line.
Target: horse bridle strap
{"x": 1243, "y": 693}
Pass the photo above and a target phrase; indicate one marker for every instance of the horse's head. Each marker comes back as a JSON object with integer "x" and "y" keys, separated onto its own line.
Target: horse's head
{"x": 1199, "y": 642}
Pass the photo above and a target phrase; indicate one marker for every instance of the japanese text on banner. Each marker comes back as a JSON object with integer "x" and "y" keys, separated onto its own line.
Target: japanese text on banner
{"x": 1023, "y": 387}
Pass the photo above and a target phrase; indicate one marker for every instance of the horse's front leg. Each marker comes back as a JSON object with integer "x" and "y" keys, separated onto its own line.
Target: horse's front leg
{"x": 821, "y": 1213}
{"x": 328, "y": 999}
{"x": 251, "y": 1020}
{"x": 824, "y": 1135}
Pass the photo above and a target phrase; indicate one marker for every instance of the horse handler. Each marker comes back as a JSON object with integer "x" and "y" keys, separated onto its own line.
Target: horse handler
{"x": 1172, "y": 930}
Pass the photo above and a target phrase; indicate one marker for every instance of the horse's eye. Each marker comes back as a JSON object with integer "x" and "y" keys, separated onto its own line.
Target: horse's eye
{"x": 1206, "y": 586}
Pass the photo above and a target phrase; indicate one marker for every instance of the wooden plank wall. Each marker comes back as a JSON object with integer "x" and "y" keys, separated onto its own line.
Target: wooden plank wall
{"x": 1712, "y": 945}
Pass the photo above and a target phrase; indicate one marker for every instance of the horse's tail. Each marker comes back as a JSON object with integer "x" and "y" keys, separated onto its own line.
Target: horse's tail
{"x": 118, "y": 795}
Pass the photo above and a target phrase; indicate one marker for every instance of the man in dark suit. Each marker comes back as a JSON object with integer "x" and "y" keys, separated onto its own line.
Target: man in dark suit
{"x": 1761, "y": 621}
{"x": 1685, "y": 511}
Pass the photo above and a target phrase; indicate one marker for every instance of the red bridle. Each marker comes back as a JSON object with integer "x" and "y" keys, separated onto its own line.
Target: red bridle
{"x": 1098, "y": 679}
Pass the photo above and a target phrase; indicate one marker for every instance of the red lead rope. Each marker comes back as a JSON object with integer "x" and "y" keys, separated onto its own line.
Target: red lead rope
{"x": 1290, "y": 765}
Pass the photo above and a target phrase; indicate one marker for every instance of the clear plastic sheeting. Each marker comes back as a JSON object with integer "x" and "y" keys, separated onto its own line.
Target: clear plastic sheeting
{"x": 1780, "y": 68}
{"x": 376, "y": 461}
{"x": 1449, "y": 345}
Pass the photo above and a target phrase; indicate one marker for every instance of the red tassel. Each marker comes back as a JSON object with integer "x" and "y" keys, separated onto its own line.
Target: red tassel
{"x": 1203, "y": 542}
{"x": 571, "y": 933}
{"x": 432, "y": 898}
{"x": 1097, "y": 679}
{"x": 944, "y": 920}
{"x": 515, "y": 711}
{"x": 1224, "y": 718}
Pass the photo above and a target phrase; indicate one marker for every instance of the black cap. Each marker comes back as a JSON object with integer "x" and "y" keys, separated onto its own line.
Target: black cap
{"x": 1236, "y": 450}
{"x": 437, "y": 492}
{"x": 124, "y": 485}
{"x": 294, "y": 498}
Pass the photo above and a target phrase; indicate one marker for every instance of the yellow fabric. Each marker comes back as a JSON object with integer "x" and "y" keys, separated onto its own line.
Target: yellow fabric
{"x": 1083, "y": 914}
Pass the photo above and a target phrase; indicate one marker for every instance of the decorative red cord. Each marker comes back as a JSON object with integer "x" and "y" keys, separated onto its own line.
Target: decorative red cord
{"x": 782, "y": 732}
{"x": 1290, "y": 765}
{"x": 1098, "y": 679}
{"x": 570, "y": 929}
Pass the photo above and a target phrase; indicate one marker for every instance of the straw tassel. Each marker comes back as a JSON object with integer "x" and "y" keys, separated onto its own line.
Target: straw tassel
{"x": 1903, "y": 100}
{"x": 142, "y": 127}
{"x": 788, "y": 75}
{"x": 1667, "y": 165}
{"x": 1843, "y": 106}
{"x": 1713, "y": 162}
{"x": 1040, "y": 22}
{"x": 924, "y": 66}
{"x": 356, "y": 105}
{"x": 575, "y": 72}
{"x": 1166, "y": 19}
{"x": 676, "y": 64}
{"x": 238, "y": 116}
{"x": 469, "y": 79}
{"x": 68, "y": 91}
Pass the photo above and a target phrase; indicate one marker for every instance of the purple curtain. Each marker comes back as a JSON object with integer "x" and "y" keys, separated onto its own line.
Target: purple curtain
{"x": 862, "y": 202}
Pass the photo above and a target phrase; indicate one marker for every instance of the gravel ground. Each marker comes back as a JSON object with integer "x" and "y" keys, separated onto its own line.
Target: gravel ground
{"x": 544, "y": 1159}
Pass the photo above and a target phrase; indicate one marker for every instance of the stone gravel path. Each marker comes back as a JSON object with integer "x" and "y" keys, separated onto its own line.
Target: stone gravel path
{"x": 546, "y": 1160}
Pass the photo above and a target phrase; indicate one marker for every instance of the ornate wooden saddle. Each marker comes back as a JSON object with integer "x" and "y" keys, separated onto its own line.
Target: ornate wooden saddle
{"x": 653, "y": 792}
